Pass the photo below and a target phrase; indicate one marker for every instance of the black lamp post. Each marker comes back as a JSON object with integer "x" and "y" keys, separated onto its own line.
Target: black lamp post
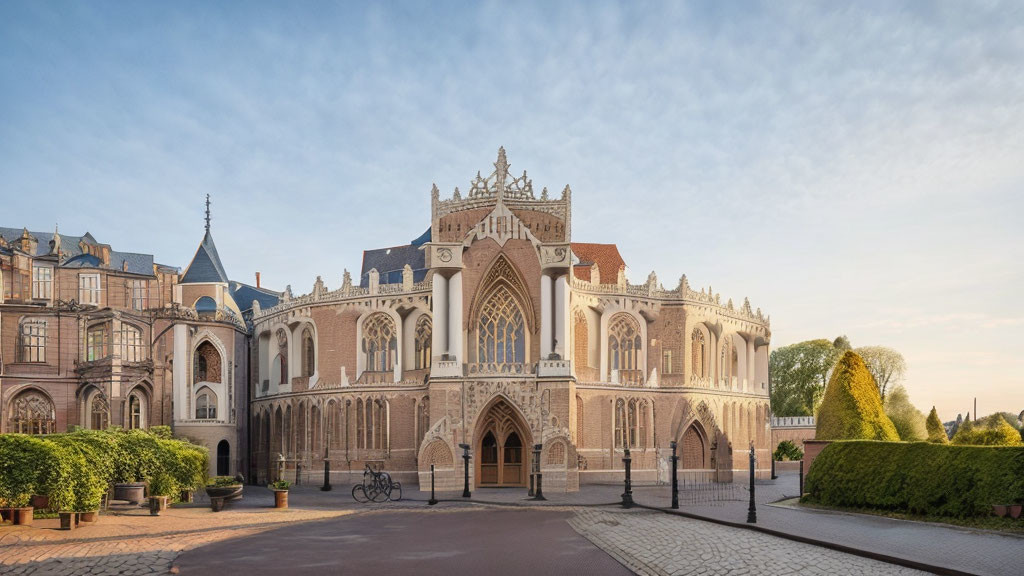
{"x": 536, "y": 458}
{"x": 675, "y": 477}
{"x": 752, "y": 509}
{"x": 465, "y": 458}
{"x": 327, "y": 465}
{"x": 627, "y": 496}
{"x": 433, "y": 499}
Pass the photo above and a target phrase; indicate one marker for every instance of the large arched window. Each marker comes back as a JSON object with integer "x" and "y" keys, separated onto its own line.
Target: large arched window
{"x": 624, "y": 346}
{"x": 132, "y": 349}
{"x": 500, "y": 329}
{"x": 308, "y": 352}
{"x": 698, "y": 348}
{"x": 422, "y": 419}
{"x": 423, "y": 336}
{"x": 31, "y": 412}
{"x": 620, "y": 423}
{"x": 726, "y": 364}
{"x": 206, "y": 405}
{"x": 631, "y": 423}
{"x": 280, "y": 367}
{"x": 207, "y": 363}
{"x": 380, "y": 342}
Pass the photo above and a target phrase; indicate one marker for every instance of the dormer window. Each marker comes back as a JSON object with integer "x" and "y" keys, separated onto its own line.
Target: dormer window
{"x": 89, "y": 289}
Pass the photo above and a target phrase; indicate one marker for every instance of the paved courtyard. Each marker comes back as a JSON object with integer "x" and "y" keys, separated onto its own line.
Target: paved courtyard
{"x": 451, "y": 539}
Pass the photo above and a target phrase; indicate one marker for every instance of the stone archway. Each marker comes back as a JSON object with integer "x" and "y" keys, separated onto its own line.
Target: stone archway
{"x": 694, "y": 449}
{"x": 502, "y": 446}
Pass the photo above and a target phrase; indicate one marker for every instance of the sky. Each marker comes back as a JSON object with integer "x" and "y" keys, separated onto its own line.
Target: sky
{"x": 852, "y": 169}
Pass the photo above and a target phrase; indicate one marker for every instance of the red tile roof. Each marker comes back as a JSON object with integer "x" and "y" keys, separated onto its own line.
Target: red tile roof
{"x": 606, "y": 256}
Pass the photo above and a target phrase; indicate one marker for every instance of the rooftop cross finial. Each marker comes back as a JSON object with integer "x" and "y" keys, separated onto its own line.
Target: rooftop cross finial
{"x": 501, "y": 173}
{"x": 207, "y": 212}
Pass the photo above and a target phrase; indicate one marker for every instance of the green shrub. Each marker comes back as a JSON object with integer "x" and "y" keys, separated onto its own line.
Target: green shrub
{"x": 163, "y": 484}
{"x": 910, "y": 423}
{"x": 919, "y": 478}
{"x": 999, "y": 434}
{"x": 281, "y": 485}
{"x": 222, "y": 481}
{"x": 787, "y": 450}
{"x": 936, "y": 431}
{"x": 852, "y": 406}
{"x": 20, "y": 473}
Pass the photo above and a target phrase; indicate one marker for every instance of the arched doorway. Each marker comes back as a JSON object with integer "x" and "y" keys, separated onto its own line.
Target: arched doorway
{"x": 694, "y": 455}
{"x": 223, "y": 458}
{"x": 502, "y": 438}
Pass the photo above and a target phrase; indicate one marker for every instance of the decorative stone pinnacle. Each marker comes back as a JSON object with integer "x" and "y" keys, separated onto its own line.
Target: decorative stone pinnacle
{"x": 207, "y": 212}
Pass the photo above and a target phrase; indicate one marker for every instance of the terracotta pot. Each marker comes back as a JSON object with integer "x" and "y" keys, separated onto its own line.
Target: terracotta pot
{"x": 67, "y": 520}
{"x": 157, "y": 504}
{"x": 40, "y": 501}
{"x": 91, "y": 516}
{"x": 280, "y": 498}
{"x": 23, "y": 516}
{"x": 6, "y": 514}
{"x": 132, "y": 492}
{"x": 1015, "y": 510}
{"x": 999, "y": 510}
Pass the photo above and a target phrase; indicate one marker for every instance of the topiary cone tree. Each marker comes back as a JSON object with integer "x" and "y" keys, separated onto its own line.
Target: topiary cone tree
{"x": 852, "y": 407}
{"x": 936, "y": 431}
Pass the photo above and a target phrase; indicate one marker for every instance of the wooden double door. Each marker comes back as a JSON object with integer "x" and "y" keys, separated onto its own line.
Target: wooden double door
{"x": 501, "y": 460}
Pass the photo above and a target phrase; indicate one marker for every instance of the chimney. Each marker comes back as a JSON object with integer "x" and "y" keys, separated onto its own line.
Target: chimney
{"x": 257, "y": 279}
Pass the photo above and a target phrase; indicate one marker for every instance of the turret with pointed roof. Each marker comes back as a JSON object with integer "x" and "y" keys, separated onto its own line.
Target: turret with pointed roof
{"x": 206, "y": 265}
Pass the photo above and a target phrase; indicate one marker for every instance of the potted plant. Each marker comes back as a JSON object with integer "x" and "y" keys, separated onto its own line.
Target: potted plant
{"x": 1015, "y": 510}
{"x": 6, "y": 511}
{"x": 22, "y": 509}
{"x": 999, "y": 509}
{"x": 67, "y": 519}
{"x": 134, "y": 459}
{"x": 226, "y": 487}
{"x": 280, "y": 489}
{"x": 161, "y": 486}
{"x": 40, "y": 501}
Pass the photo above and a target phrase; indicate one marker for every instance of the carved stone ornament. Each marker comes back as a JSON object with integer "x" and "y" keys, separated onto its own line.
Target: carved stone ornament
{"x": 444, "y": 255}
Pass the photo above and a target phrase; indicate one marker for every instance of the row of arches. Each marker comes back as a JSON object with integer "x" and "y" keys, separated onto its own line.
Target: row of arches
{"x": 32, "y": 410}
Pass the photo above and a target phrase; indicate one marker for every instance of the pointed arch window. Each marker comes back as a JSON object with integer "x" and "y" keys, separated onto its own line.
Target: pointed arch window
{"x": 207, "y": 363}
{"x": 624, "y": 346}
{"x": 99, "y": 412}
{"x": 698, "y": 347}
{"x": 206, "y": 405}
{"x": 308, "y": 352}
{"x": 136, "y": 411}
{"x": 423, "y": 339}
{"x": 501, "y": 337}
{"x": 373, "y": 418}
{"x": 31, "y": 412}
{"x": 380, "y": 342}
{"x": 620, "y": 423}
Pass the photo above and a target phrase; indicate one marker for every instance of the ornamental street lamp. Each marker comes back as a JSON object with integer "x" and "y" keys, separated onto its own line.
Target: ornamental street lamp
{"x": 327, "y": 464}
{"x": 752, "y": 509}
{"x": 627, "y": 496}
{"x": 465, "y": 458}
{"x": 675, "y": 478}
{"x": 536, "y": 457}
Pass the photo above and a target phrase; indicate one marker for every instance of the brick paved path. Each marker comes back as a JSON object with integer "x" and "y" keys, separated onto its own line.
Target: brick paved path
{"x": 653, "y": 543}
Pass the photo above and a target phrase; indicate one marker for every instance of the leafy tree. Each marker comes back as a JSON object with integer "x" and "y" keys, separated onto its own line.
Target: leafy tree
{"x": 799, "y": 373}
{"x": 886, "y": 365}
{"x": 852, "y": 408}
{"x": 936, "y": 431}
{"x": 908, "y": 420}
{"x": 1000, "y": 434}
{"x": 787, "y": 450}
{"x": 842, "y": 343}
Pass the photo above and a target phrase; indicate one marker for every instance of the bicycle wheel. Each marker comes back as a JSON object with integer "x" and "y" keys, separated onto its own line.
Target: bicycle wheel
{"x": 359, "y": 494}
{"x": 396, "y": 492}
{"x": 380, "y": 493}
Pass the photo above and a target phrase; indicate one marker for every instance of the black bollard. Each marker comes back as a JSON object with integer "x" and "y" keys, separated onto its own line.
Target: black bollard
{"x": 433, "y": 499}
{"x": 327, "y": 476}
{"x": 298, "y": 473}
{"x": 627, "y": 496}
{"x": 801, "y": 479}
{"x": 752, "y": 510}
{"x": 675, "y": 477}
{"x": 774, "y": 477}
{"x": 465, "y": 457}
{"x": 540, "y": 491}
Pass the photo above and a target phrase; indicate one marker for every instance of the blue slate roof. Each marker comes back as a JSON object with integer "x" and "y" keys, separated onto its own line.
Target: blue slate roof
{"x": 71, "y": 250}
{"x": 423, "y": 239}
{"x": 390, "y": 262}
{"x": 244, "y": 294}
{"x": 206, "y": 265}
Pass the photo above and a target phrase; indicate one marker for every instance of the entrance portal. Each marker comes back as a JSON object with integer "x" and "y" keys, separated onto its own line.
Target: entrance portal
{"x": 501, "y": 460}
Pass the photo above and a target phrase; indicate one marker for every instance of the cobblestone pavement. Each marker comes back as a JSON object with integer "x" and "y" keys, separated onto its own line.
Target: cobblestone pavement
{"x": 653, "y": 543}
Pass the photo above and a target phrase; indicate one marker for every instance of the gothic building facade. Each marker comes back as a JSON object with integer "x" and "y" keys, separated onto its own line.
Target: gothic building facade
{"x": 91, "y": 337}
{"x": 495, "y": 330}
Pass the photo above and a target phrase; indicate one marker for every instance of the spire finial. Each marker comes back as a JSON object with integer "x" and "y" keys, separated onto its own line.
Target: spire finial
{"x": 501, "y": 172}
{"x": 207, "y": 212}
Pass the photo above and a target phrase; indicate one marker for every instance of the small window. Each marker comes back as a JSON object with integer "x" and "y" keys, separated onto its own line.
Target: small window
{"x": 42, "y": 282}
{"x": 33, "y": 341}
{"x": 666, "y": 363}
{"x": 137, "y": 294}
{"x": 89, "y": 289}
{"x": 132, "y": 349}
{"x": 134, "y": 420}
{"x": 206, "y": 406}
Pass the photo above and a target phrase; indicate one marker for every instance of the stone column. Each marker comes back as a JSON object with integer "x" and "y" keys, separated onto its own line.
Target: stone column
{"x": 439, "y": 309}
{"x": 545, "y": 316}
{"x": 180, "y": 380}
{"x": 561, "y": 336}
{"x": 455, "y": 316}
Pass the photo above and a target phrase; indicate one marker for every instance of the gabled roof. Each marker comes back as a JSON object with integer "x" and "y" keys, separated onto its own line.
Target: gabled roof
{"x": 606, "y": 256}
{"x": 206, "y": 265}
{"x": 244, "y": 294}
{"x": 73, "y": 257}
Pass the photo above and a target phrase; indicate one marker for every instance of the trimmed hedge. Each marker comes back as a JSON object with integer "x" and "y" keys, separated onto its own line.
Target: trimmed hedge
{"x": 77, "y": 468}
{"x": 919, "y": 478}
{"x": 936, "y": 431}
{"x": 852, "y": 408}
